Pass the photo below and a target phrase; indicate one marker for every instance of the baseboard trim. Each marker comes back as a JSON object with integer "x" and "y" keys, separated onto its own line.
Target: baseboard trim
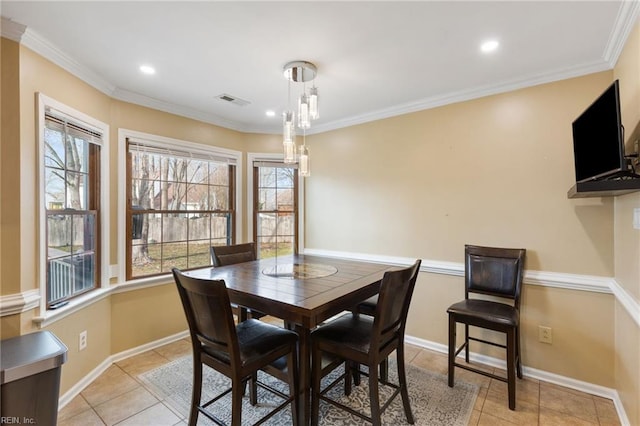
{"x": 109, "y": 361}
{"x": 533, "y": 373}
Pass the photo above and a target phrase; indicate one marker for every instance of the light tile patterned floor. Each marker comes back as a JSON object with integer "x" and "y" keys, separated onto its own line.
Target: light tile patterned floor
{"x": 118, "y": 398}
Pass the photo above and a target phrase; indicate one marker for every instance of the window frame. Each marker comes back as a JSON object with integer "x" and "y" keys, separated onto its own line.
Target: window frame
{"x": 123, "y": 185}
{"x": 253, "y": 157}
{"x": 102, "y": 268}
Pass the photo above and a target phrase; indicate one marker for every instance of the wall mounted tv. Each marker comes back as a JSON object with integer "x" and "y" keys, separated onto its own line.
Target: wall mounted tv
{"x": 598, "y": 145}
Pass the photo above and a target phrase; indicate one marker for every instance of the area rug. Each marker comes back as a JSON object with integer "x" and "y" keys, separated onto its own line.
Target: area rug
{"x": 432, "y": 401}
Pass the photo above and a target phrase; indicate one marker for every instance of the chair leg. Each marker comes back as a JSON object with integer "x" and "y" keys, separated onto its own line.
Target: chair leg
{"x": 355, "y": 370}
{"x": 316, "y": 371}
{"x": 374, "y": 396}
{"x": 349, "y": 370}
{"x": 452, "y": 348}
{"x": 518, "y": 353}
{"x": 466, "y": 343}
{"x": 404, "y": 391}
{"x": 511, "y": 367}
{"x": 292, "y": 367}
{"x": 196, "y": 392}
{"x": 384, "y": 371}
{"x": 236, "y": 402}
{"x": 253, "y": 389}
{"x": 243, "y": 315}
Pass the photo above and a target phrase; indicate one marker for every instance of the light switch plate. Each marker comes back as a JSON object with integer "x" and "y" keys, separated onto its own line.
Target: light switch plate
{"x": 636, "y": 218}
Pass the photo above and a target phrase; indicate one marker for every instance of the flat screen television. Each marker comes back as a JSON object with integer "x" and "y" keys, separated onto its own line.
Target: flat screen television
{"x": 598, "y": 145}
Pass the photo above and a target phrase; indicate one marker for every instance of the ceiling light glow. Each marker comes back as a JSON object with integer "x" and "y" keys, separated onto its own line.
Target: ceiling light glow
{"x": 147, "y": 69}
{"x": 271, "y": 113}
{"x": 489, "y": 46}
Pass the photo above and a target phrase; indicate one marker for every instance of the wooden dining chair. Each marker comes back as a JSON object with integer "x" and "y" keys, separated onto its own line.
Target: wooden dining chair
{"x": 236, "y": 351}
{"x": 230, "y": 255}
{"x": 498, "y": 273}
{"x": 368, "y": 307}
{"x": 366, "y": 340}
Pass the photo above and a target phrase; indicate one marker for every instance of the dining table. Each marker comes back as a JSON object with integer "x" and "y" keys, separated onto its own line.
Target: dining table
{"x": 302, "y": 290}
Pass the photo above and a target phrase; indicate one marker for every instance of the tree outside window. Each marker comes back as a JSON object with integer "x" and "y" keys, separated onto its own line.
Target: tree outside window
{"x": 71, "y": 185}
{"x": 276, "y": 209}
{"x": 179, "y": 204}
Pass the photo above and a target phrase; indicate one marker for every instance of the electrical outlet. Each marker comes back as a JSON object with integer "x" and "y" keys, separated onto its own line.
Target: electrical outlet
{"x": 544, "y": 334}
{"x": 82, "y": 340}
{"x": 636, "y": 218}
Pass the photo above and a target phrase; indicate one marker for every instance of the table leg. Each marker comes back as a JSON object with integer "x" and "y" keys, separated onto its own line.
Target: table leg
{"x": 304, "y": 360}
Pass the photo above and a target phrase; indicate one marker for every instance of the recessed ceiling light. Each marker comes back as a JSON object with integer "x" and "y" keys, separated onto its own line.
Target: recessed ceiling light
{"x": 489, "y": 46}
{"x": 271, "y": 113}
{"x": 147, "y": 69}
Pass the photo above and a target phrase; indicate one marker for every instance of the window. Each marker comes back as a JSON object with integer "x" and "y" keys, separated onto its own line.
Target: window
{"x": 275, "y": 219}
{"x": 180, "y": 201}
{"x": 71, "y": 155}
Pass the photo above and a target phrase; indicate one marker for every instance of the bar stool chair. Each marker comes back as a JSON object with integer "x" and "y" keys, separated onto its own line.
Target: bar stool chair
{"x": 230, "y": 255}
{"x": 495, "y": 272}
{"x": 364, "y": 340}
{"x": 238, "y": 352}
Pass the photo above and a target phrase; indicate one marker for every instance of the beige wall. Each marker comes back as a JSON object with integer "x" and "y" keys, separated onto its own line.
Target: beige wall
{"x": 109, "y": 321}
{"x": 627, "y": 239}
{"x": 9, "y": 166}
{"x": 156, "y": 313}
{"x": 491, "y": 171}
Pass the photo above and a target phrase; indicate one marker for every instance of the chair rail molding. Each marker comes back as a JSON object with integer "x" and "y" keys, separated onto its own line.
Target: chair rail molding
{"x": 631, "y": 305}
{"x": 11, "y": 304}
{"x": 590, "y": 283}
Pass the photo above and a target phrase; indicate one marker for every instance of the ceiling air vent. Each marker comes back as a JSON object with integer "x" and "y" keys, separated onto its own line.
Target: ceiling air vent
{"x": 232, "y": 99}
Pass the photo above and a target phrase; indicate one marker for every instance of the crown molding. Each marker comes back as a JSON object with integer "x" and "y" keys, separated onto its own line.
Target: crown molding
{"x": 464, "y": 95}
{"x": 146, "y": 101}
{"x": 625, "y": 21}
{"x": 46, "y": 49}
{"x": 11, "y": 29}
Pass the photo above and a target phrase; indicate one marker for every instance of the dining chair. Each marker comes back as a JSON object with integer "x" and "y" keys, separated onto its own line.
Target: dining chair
{"x": 368, "y": 307}
{"x": 497, "y": 273}
{"x": 366, "y": 340}
{"x": 230, "y": 255}
{"x": 236, "y": 351}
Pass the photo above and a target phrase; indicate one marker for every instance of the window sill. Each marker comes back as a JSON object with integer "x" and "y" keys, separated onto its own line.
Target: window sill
{"x": 142, "y": 283}
{"x": 82, "y": 302}
{"x": 74, "y": 305}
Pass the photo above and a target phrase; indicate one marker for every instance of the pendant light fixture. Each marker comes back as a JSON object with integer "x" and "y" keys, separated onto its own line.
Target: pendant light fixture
{"x": 299, "y": 72}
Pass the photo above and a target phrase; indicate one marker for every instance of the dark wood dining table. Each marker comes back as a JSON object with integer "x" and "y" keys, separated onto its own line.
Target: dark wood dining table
{"x": 303, "y": 290}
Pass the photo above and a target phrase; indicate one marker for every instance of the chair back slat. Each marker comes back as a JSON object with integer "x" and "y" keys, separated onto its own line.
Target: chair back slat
{"x": 208, "y": 310}
{"x": 494, "y": 271}
{"x": 230, "y": 255}
{"x": 392, "y": 308}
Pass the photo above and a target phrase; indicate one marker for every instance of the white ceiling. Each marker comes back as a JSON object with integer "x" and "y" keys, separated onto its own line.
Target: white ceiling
{"x": 374, "y": 59}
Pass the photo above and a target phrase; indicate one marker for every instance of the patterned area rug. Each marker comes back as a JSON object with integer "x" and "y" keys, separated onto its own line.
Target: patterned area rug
{"x": 432, "y": 401}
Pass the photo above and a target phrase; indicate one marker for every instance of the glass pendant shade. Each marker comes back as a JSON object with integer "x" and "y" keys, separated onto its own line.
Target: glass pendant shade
{"x": 289, "y": 152}
{"x": 303, "y": 112}
{"x": 303, "y": 167}
{"x": 314, "y": 113}
{"x": 288, "y": 127}
{"x": 299, "y": 72}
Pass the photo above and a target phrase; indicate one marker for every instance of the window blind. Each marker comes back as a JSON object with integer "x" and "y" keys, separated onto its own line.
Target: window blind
{"x": 150, "y": 147}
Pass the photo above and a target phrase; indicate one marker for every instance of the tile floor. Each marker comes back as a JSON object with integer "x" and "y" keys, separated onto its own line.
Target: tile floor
{"x": 118, "y": 398}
